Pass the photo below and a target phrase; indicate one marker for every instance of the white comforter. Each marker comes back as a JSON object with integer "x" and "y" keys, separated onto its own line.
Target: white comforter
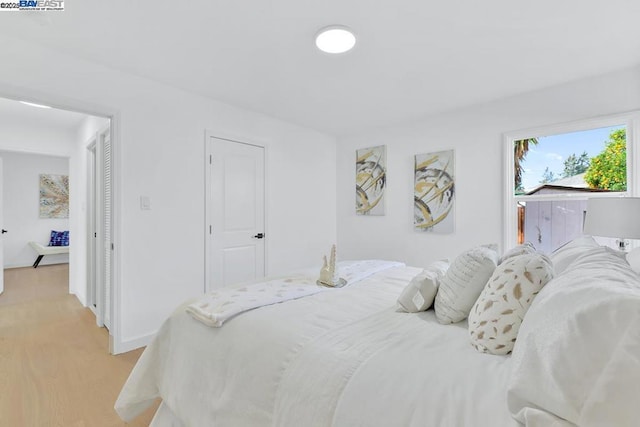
{"x": 343, "y": 358}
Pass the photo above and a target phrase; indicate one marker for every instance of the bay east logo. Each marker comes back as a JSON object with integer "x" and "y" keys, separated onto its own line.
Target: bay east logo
{"x": 20, "y": 5}
{"x": 41, "y": 4}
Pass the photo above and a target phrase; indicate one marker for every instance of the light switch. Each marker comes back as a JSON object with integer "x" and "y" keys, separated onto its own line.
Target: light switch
{"x": 145, "y": 203}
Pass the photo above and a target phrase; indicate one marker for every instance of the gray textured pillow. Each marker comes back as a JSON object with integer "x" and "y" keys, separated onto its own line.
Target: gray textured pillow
{"x": 463, "y": 283}
{"x": 496, "y": 316}
{"x": 419, "y": 294}
{"x": 525, "y": 248}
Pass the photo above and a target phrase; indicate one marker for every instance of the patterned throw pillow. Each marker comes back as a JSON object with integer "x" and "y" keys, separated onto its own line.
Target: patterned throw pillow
{"x": 496, "y": 316}
{"x": 419, "y": 294}
{"x": 463, "y": 283}
{"x": 59, "y": 238}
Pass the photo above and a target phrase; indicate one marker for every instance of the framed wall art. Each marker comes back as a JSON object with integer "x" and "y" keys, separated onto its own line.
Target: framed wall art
{"x": 54, "y": 196}
{"x": 434, "y": 192}
{"x": 371, "y": 180}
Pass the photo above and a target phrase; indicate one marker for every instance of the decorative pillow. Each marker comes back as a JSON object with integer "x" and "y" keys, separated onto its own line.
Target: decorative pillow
{"x": 495, "y": 318}
{"x": 419, "y": 294}
{"x": 633, "y": 258}
{"x": 589, "y": 252}
{"x": 566, "y": 254}
{"x": 463, "y": 283}
{"x": 525, "y": 248}
{"x": 577, "y": 353}
{"x": 59, "y": 238}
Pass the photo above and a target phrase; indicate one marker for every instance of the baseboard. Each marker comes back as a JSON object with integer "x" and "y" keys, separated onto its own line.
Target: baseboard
{"x": 42, "y": 264}
{"x": 132, "y": 344}
{"x": 84, "y": 303}
{"x": 10, "y": 266}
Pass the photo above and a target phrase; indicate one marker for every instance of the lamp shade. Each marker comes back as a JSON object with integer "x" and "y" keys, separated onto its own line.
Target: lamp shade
{"x": 613, "y": 217}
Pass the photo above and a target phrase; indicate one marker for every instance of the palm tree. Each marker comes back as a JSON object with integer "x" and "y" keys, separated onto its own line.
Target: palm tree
{"x": 520, "y": 150}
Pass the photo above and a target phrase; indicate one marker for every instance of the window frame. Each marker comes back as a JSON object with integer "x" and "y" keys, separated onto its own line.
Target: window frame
{"x": 510, "y": 200}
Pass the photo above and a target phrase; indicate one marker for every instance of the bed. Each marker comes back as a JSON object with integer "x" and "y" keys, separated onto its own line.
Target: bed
{"x": 351, "y": 357}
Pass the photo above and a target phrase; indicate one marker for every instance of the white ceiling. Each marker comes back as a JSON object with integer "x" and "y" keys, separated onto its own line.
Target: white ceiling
{"x": 413, "y": 57}
{"x": 25, "y": 115}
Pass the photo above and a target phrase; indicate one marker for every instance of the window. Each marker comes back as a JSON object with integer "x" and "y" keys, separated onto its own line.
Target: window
{"x": 552, "y": 171}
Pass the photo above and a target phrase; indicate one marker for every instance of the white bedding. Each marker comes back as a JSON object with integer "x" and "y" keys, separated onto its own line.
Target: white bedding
{"x": 343, "y": 358}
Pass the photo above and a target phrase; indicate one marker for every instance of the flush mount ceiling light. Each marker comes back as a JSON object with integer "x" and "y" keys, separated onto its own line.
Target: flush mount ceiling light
{"x": 335, "y": 39}
{"x": 34, "y": 105}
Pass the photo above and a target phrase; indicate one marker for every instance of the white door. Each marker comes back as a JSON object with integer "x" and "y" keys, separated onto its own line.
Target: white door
{"x": 99, "y": 226}
{"x": 93, "y": 277}
{"x": 3, "y": 231}
{"x": 105, "y": 142}
{"x": 235, "y": 213}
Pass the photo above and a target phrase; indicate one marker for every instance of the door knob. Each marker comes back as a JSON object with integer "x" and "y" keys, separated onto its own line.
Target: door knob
{"x": 259, "y": 236}
{"x": 4, "y": 231}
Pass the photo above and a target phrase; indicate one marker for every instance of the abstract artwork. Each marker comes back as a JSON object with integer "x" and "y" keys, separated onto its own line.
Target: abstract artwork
{"x": 371, "y": 178}
{"x": 434, "y": 192}
{"x": 54, "y": 196}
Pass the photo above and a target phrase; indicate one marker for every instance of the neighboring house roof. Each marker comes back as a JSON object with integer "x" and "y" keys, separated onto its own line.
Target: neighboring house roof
{"x": 574, "y": 183}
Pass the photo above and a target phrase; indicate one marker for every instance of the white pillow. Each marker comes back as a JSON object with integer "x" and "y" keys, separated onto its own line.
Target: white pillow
{"x": 419, "y": 294}
{"x": 463, "y": 283}
{"x": 567, "y": 253}
{"x": 577, "y": 356}
{"x": 496, "y": 316}
{"x": 633, "y": 258}
{"x": 525, "y": 248}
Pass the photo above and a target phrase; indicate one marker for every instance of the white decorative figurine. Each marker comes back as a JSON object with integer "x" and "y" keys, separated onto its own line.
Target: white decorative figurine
{"x": 329, "y": 275}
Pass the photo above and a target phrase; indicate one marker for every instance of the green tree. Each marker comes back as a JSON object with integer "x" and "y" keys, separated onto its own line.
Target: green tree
{"x": 608, "y": 170}
{"x": 547, "y": 176}
{"x": 575, "y": 165}
{"x": 520, "y": 150}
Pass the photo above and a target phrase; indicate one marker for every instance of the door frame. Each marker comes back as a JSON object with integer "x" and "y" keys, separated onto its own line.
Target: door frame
{"x": 208, "y": 155}
{"x": 16, "y": 93}
{"x": 96, "y": 286}
{"x": 92, "y": 268}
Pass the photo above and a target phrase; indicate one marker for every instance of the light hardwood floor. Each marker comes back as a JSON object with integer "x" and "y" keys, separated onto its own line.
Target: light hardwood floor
{"x": 55, "y": 369}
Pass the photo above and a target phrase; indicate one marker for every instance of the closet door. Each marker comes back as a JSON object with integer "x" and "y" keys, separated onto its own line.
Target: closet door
{"x": 106, "y": 227}
{"x": 103, "y": 246}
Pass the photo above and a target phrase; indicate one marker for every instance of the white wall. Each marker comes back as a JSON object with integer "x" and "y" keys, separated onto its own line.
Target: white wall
{"x": 21, "y": 200}
{"x": 28, "y": 137}
{"x": 161, "y": 132}
{"x": 476, "y": 135}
